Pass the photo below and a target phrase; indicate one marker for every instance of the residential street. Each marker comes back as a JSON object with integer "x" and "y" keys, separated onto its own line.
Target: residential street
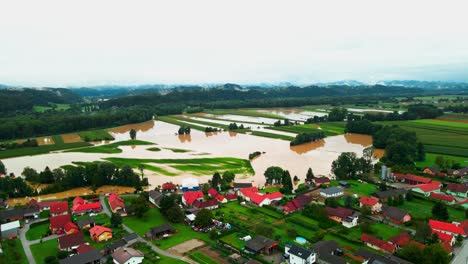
{"x": 26, "y": 243}
{"x": 461, "y": 254}
{"x": 153, "y": 247}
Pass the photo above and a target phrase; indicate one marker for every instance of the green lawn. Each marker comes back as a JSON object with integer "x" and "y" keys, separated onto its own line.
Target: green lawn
{"x": 113, "y": 147}
{"x": 343, "y": 242}
{"x": 362, "y": 189}
{"x": 37, "y": 230}
{"x": 233, "y": 240}
{"x": 421, "y": 208}
{"x": 42, "y": 250}
{"x": 381, "y": 231}
{"x": 13, "y": 252}
{"x": 202, "y": 258}
{"x": 441, "y": 123}
{"x": 200, "y": 166}
{"x": 95, "y": 135}
{"x": 140, "y": 226}
{"x": 430, "y": 160}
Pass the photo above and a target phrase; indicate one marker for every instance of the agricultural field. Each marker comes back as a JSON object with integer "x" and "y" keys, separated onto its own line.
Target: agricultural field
{"x": 448, "y": 138}
{"x": 379, "y": 230}
{"x": 111, "y": 148}
{"x": 202, "y": 166}
{"x": 431, "y": 157}
{"x": 55, "y": 107}
{"x": 29, "y": 151}
{"x": 462, "y": 118}
{"x": 13, "y": 252}
{"x": 202, "y": 258}
{"x": 243, "y": 112}
{"x": 95, "y": 135}
{"x": 329, "y": 128}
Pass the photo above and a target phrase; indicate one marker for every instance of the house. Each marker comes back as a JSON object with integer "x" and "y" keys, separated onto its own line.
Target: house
{"x": 210, "y": 204}
{"x": 400, "y": 240}
{"x": 373, "y": 203}
{"x": 447, "y": 228}
{"x": 155, "y": 197}
{"x": 328, "y": 252}
{"x": 190, "y": 184}
{"x": 90, "y": 257}
{"x": 100, "y": 233}
{"x": 261, "y": 245}
{"x": 81, "y": 206}
{"x": 109, "y": 248}
{"x": 128, "y": 256}
{"x": 116, "y": 203}
{"x": 70, "y": 242}
{"x": 240, "y": 185}
{"x": 43, "y": 206}
{"x": 434, "y": 170}
{"x": 443, "y": 237}
{"x": 190, "y": 197}
{"x": 10, "y": 230}
{"x": 297, "y": 203}
{"x": 27, "y": 213}
{"x": 442, "y": 197}
{"x": 59, "y": 208}
{"x": 161, "y": 231}
{"x": 411, "y": 179}
{"x": 220, "y": 198}
{"x": 58, "y": 222}
{"x": 395, "y": 215}
{"x": 370, "y": 257}
{"x": 378, "y": 244}
{"x": 231, "y": 197}
{"x": 321, "y": 180}
{"x": 331, "y": 192}
{"x": 83, "y": 248}
{"x": 130, "y": 238}
{"x": 458, "y": 172}
{"x": 212, "y": 192}
{"x": 345, "y": 216}
{"x": 70, "y": 228}
{"x": 299, "y": 255}
{"x": 456, "y": 189}
{"x": 383, "y": 196}
{"x": 168, "y": 187}
{"x": 251, "y": 195}
{"x": 85, "y": 223}
{"x": 427, "y": 188}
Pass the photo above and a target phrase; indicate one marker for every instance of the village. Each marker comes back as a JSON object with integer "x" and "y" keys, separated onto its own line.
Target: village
{"x": 373, "y": 220}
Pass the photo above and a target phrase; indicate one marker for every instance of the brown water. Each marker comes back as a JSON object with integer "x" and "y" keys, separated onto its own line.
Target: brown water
{"x": 317, "y": 155}
{"x": 292, "y": 113}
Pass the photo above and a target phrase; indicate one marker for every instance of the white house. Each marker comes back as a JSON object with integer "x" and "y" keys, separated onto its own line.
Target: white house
{"x": 127, "y": 256}
{"x": 351, "y": 221}
{"x": 10, "y": 229}
{"x": 298, "y": 255}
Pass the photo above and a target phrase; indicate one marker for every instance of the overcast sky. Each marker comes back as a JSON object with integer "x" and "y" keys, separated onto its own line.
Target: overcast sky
{"x": 55, "y": 43}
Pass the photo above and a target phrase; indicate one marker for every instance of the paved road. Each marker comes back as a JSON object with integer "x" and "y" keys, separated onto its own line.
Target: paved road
{"x": 461, "y": 254}
{"x": 153, "y": 247}
{"x": 25, "y": 244}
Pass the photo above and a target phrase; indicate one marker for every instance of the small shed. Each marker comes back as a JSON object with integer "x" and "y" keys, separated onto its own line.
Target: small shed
{"x": 344, "y": 184}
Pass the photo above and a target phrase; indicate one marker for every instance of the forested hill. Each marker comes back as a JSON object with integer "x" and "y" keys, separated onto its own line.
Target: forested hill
{"x": 232, "y": 92}
{"x": 24, "y": 99}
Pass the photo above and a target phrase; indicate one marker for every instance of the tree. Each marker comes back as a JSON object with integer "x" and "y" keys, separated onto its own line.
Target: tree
{"x": 141, "y": 167}
{"x": 348, "y": 202}
{"x": 30, "y": 174}
{"x": 133, "y": 133}
{"x": 409, "y": 196}
{"x": 423, "y": 232}
{"x": 2, "y": 168}
{"x": 51, "y": 260}
{"x": 226, "y": 180}
{"x": 140, "y": 205}
{"x": 366, "y": 227}
{"x": 62, "y": 254}
{"x": 287, "y": 183}
{"x": 116, "y": 220}
{"x": 175, "y": 214}
{"x": 440, "y": 161}
{"x": 167, "y": 201}
{"x": 273, "y": 175}
{"x": 332, "y": 202}
{"x": 46, "y": 176}
{"x": 440, "y": 211}
{"x": 310, "y": 174}
{"x": 204, "y": 218}
{"x": 421, "y": 152}
{"x": 296, "y": 179}
{"x": 365, "y": 210}
{"x": 216, "y": 180}
{"x": 345, "y": 166}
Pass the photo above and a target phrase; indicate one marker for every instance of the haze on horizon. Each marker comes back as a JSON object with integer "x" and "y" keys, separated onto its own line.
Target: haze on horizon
{"x": 61, "y": 43}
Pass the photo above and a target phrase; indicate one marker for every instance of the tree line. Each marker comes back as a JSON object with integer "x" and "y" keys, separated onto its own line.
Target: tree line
{"x": 307, "y": 137}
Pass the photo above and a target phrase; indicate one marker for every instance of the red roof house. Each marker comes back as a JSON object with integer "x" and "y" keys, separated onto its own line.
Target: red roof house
{"x": 191, "y": 196}
{"x": 372, "y": 203}
{"x": 221, "y": 198}
{"x": 297, "y": 203}
{"x": 58, "y": 208}
{"x": 58, "y": 222}
{"x": 446, "y": 198}
{"x": 444, "y": 237}
{"x": 447, "y": 228}
{"x": 70, "y": 228}
{"x": 116, "y": 202}
{"x": 321, "y": 180}
{"x": 83, "y": 248}
{"x": 78, "y": 200}
{"x": 86, "y": 208}
{"x": 210, "y": 204}
{"x": 401, "y": 239}
{"x": 411, "y": 178}
{"x": 231, "y": 196}
{"x": 70, "y": 242}
{"x": 168, "y": 187}
{"x": 251, "y": 194}
{"x": 426, "y": 188}
{"x": 212, "y": 192}
{"x": 100, "y": 233}
{"x": 377, "y": 244}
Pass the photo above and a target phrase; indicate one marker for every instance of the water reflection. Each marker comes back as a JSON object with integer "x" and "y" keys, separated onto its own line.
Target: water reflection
{"x": 304, "y": 148}
{"x": 363, "y": 140}
{"x": 185, "y": 138}
{"x": 139, "y": 127}
{"x": 232, "y": 133}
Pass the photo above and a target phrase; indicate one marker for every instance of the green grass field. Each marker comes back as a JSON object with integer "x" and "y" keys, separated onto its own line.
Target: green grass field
{"x": 201, "y": 166}
{"x": 363, "y": 189}
{"x": 329, "y": 128}
{"x": 112, "y": 148}
{"x": 381, "y": 231}
{"x": 58, "y": 107}
{"x": 13, "y": 252}
{"x": 176, "y": 122}
{"x": 95, "y": 135}
{"x": 271, "y": 135}
{"x": 37, "y": 230}
{"x": 10, "y": 153}
{"x": 202, "y": 258}
{"x": 233, "y": 240}
{"x": 422, "y": 209}
{"x": 177, "y": 150}
{"x": 454, "y": 117}
{"x": 42, "y": 250}
{"x": 430, "y": 160}
{"x": 448, "y": 138}
{"x": 155, "y": 149}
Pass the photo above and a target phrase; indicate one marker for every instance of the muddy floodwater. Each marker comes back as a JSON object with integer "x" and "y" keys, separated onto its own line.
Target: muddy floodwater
{"x": 292, "y": 113}
{"x": 317, "y": 155}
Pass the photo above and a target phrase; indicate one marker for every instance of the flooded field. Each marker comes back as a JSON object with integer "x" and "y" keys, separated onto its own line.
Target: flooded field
{"x": 71, "y": 138}
{"x": 292, "y": 113}
{"x": 317, "y": 155}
